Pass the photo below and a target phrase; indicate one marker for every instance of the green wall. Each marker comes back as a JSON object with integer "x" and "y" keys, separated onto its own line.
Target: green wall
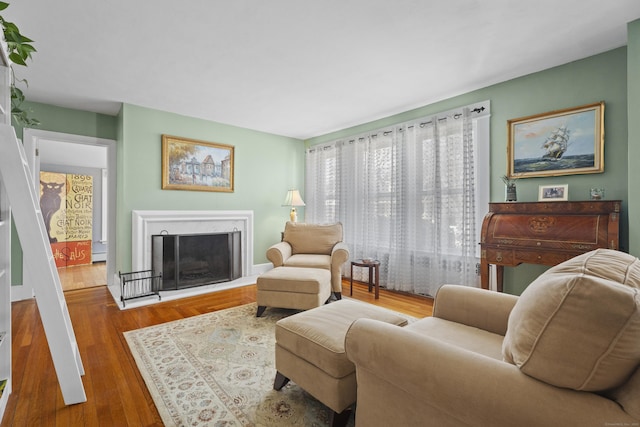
{"x": 265, "y": 167}
{"x": 64, "y": 120}
{"x": 600, "y": 77}
{"x": 633, "y": 83}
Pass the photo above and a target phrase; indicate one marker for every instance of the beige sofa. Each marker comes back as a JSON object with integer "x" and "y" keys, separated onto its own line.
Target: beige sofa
{"x": 312, "y": 246}
{"x": 565, "y": 353}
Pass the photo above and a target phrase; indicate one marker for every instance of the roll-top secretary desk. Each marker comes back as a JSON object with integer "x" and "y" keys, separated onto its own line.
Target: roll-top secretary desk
{"x": 546, "y": 233}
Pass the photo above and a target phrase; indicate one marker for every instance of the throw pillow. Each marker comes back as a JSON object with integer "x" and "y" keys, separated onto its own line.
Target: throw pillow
{"x": 605, "y": 263}
{"x": 576, "y": 329}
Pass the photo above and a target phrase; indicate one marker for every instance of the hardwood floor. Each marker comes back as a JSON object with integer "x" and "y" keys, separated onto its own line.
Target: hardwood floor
{"x": 116, "y": 393}
{"x": 83, "y": 276}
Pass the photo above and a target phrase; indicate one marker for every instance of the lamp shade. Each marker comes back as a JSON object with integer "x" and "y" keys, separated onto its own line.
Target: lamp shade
{"x": 293, "y": 199}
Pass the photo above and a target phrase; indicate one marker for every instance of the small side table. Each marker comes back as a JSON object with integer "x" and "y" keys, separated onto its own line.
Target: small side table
{"x": 374, "y": 270}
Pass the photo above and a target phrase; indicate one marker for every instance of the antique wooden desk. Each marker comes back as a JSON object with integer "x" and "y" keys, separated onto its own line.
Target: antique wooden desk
{"x": 546, "y": 233}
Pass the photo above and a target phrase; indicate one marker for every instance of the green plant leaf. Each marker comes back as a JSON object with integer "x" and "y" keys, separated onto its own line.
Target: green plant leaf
{"x": 25, "y": 50}
{"x": 19, "y": 38}
{"x": 25, "y": 39}
{"x": 16, "y": 58}
{"x": 25, "y": 53}
{"x": 22, "y": 118}
{"x": 17, "y": 96}
{"x": 27, "y": 47}
{"x": 19, "y": 50}
{"x": 10, "y": 27}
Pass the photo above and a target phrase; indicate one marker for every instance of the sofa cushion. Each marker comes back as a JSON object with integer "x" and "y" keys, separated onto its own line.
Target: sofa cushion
{"x": 312, "y": 238}
{"x": 317, "y": 335}
{"x": 578, "y": 324}
{"x": 309, "y": 261}
{"x": 468, "y": 337}
{"x": 298, "y": 280}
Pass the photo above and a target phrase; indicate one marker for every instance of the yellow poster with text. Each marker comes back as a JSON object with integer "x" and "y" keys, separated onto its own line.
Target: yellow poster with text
{"x": 66, "y": 202}
{"x": 79, "y": 207}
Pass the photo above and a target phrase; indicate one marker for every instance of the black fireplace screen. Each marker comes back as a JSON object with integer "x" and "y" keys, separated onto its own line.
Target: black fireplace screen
{"x": 188, "y": 260}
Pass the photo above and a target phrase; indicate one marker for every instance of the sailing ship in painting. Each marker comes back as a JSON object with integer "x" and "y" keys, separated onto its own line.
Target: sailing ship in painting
{"x": 555, "y": 154}
{"x": 556, "y": 143}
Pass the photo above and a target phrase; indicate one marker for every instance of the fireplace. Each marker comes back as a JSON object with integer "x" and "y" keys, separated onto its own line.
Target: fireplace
{"x": 147, "y": 223}
{"x": 188, "y": 260}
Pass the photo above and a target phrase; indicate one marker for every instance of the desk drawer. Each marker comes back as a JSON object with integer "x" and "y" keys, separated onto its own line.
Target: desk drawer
{"x": 500, "y": 256}
{"x": 544, "y": 258}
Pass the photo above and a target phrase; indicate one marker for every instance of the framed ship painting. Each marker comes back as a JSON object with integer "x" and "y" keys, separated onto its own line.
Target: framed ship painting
{"x": 188, "y": 164}
{"x": 563, "y": 142}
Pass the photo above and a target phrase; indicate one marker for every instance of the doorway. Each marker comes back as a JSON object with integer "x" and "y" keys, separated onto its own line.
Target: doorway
{"x": 54, "y": 151}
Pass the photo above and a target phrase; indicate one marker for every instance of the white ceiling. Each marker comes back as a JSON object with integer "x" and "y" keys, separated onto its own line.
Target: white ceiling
{"x": 299, "y": 68}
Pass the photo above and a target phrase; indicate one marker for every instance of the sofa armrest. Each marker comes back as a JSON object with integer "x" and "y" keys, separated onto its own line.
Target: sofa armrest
{"x": 475, "y": 307}
{"x": 279, "y": 253}
{"x": 405, "y": 378}
{"x": 339, "y": 254}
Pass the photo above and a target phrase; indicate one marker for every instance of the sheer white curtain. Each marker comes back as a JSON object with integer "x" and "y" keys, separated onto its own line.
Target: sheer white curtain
{"x": 407, "y": 196}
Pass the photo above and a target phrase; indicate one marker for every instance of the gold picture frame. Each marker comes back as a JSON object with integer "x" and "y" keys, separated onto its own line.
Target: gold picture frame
{"x": 562, "y": 142}
{"x": 190, "y": 164}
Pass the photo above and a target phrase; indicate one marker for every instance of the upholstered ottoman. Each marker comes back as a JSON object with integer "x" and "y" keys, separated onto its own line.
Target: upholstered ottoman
{"x": 299, "y": 288}
{"x": 310, "y": 351}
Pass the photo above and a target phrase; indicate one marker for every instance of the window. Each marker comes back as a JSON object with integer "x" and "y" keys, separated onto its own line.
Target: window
{"x": 412, "y": 195}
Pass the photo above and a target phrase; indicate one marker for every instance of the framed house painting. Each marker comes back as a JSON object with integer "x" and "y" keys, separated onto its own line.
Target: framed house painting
{"x": 563, "y": 142}
{"x": 189, "y": 164}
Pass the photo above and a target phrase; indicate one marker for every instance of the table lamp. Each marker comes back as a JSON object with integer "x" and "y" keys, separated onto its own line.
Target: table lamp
{"x": 293, "y": 199}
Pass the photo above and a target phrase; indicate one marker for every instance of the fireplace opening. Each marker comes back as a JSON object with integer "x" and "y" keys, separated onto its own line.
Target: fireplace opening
{"x": 188, "y": 260}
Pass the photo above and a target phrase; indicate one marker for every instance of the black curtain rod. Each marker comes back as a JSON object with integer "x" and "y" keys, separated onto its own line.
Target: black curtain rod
{"x": 423, "y": 124}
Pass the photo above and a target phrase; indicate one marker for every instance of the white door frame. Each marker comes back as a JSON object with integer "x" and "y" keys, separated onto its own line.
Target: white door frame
{"x": 31, "y": 138}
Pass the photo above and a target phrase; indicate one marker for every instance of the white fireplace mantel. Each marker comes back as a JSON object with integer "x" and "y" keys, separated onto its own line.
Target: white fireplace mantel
{"x": 147, "y": 223}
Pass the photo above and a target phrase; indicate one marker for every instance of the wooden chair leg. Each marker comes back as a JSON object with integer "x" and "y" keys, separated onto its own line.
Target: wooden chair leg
{"x": 261, "y": 309}
{"x": 341, "y": 419}
{"x": 280, "y": 381}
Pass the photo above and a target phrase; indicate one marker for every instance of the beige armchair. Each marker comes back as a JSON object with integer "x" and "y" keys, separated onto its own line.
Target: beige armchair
{"x": 312, "y": 246}
{"x": 565, "y": 353}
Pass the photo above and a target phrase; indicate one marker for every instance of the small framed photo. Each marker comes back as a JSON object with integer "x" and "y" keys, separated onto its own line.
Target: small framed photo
{"x": 553, "y": 193}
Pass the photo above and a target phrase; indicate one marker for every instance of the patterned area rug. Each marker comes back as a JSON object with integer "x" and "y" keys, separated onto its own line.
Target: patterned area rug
{"x": 217, "y": 369}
